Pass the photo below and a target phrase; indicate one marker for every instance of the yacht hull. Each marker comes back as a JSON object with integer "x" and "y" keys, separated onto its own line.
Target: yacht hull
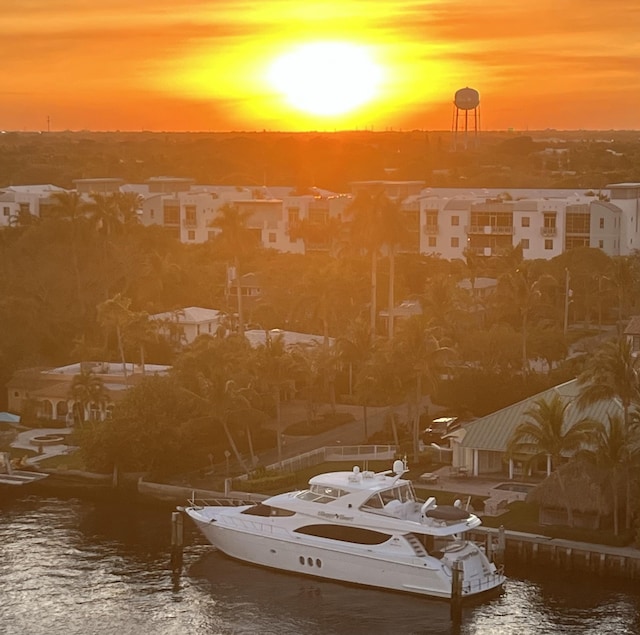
{"x": 269, "y": 545}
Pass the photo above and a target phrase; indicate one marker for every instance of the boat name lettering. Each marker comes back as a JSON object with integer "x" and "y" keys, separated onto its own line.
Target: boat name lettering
{"x": 335, "y": 516}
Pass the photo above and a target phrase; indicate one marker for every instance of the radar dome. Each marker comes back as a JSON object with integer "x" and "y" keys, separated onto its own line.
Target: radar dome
{"x": 467, "y": 98}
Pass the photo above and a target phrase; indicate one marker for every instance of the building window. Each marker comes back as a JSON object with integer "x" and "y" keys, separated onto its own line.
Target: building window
{"x": 525, "y": 243}
{"x": 601, "y": 244}
{"x": 5, "y": 211}
{"x": 190, "y": 215}
{"x": 432, "y": 241}
{"x": 602, "y": 223}
{"x": 272, "y": 237}
{"x": 548, "y": 244}
{"x": 455, "y": 221}
{"x": 152, "y": 213}
{"x": 171, "y": 215}
{"x": 293, "y": 215}
{"x": 525, "y": 221}
{"x": 191, "y": 235}
{"x": 455, "y": 241}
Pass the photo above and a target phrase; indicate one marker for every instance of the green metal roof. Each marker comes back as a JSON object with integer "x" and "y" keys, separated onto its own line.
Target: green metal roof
{"x": 493, "y": 431}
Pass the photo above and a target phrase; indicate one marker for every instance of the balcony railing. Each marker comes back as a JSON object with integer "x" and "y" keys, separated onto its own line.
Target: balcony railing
{"x": 431, "y": 230}
{"x": 549, "y": 231}
{"x": 189, "y": 222}
{"x": 504, "y": 230}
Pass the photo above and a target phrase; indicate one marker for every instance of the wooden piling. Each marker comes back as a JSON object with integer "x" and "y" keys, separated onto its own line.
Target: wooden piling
{"x": 177, "y": 540}
{"x": 457, "y": 575}
{"x": 500, "y": 549}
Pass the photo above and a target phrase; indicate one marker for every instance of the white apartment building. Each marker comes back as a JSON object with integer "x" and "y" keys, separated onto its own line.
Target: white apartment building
{"x": 17, "y": 200}
{"x": 546, "y": 223}
{"x": 442, "y": 221}
{"x": 272, "y": 212}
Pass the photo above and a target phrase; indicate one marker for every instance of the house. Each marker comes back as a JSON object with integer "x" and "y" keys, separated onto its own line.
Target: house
{"x": 184, "y": 325}
{"x": 45, "y": 393}
{"x": 632, "y": 333}
{"x": 481, "y": 445}
{"x": 290, "y": 339}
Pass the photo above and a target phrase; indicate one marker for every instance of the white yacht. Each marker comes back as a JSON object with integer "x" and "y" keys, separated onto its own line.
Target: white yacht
{"x": 357, "y": 527}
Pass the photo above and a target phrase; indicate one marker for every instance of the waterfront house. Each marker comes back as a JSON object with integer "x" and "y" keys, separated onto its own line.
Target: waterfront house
{"x": 480, "y": 447}
{"x": 45, "y": 393}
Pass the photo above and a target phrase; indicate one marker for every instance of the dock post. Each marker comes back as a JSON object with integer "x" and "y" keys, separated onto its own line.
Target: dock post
{"x": 499, "y": 553}
{"x": 177, "y": 541}
{"x": 457, "y": 575}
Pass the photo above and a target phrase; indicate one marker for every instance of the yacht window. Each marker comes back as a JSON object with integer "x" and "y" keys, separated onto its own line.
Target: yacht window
{"x": 355, "y": 535}
{"x": 375, "y": 502}
{"x": 266, "y": 510}
{"x": 321, "y": 494}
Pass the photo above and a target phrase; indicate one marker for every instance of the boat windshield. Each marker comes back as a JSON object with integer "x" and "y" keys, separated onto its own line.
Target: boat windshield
{"x": 400, "y": 493}
{"x": 321, "y": 494}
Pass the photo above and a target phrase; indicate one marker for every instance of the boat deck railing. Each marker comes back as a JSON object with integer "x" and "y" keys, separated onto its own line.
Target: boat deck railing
{"x": 220, "y": 502}
{"x": 486, "y": 582}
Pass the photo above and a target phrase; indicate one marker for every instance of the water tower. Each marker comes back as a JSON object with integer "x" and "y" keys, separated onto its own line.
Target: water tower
{"x": 466, "y": 114}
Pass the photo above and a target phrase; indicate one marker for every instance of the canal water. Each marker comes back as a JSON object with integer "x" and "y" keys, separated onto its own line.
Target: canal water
{"x": 72, "y": 566}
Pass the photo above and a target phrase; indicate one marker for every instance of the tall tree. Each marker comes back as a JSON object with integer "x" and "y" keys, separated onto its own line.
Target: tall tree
{"x": 114, "y": 315}
{"x": 214, "y": 370}
{"x": 394, "y": 234}
{"x": 418, "y": 353}
{"x": 87, "y": 389}
{"x": 612, "y": 372}
{"x": 104, "y": 212}
{"x": 524, "y": 291}
{"x": 275, "y": 367}
{"x": 237, "y": 241}
{"x": 366, "y": 212}
{"x": 355, "y": 347}
{"x": 616, "y": 450}
{"x": 546, "y": 433}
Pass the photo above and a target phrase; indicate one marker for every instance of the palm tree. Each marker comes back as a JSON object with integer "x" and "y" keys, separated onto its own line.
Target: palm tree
{"x": 323, "y": 291}
{"x": 612, "y": 372}
{"x": 237, "y": 241}
{"x": 394, "y": 233}
{"x": 87, "y": 389}
{"x": 70, "y": 206}
{"x": 139, "y": 331}
{"x": 616, "y": 450}
{"x": 114, "y": 314}
{"x": 275, "y": 367}
{"x": 355, "y": 347}
{"x": 104, "y": 212}
{"x": 128, "y": 204}
{"x": 524, "y": 291}
{"x": 546, "y": 433}
{"x": 366, "y": 211}
{"x": 623, "y": 275}
{"x": 211, "y": 371}
{"x": 416, "y": 349}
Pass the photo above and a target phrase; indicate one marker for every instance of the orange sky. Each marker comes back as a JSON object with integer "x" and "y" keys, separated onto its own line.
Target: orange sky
{"x": 201, "y": 65}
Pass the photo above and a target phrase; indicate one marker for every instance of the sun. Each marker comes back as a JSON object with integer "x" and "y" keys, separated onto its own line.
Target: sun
{"x": 326, "y": 78}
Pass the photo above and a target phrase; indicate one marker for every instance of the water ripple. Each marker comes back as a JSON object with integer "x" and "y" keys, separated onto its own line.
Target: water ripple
{"x": 72, "y": 567}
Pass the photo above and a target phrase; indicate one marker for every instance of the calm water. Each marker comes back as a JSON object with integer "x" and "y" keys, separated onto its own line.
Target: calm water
{"x": 69, "y": 566}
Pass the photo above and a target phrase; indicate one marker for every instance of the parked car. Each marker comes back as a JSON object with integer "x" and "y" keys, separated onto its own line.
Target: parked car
{"x": 438, "y": 429}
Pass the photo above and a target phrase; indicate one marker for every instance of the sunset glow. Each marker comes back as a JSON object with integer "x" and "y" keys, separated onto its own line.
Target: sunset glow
{"x": 326, "y": 78}
{"x": 252, "y": 65}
